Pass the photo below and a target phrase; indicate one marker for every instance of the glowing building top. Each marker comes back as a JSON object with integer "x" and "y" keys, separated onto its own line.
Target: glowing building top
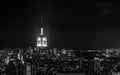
{"x": 42, "y": 40}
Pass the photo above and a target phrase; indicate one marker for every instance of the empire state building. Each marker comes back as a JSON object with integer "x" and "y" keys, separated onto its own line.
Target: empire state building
{"x": 42, "y": 40}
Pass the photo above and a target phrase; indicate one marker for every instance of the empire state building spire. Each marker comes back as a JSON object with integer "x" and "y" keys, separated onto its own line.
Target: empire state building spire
{"x": 42, "y": 40}
{"x": 42, "y": 33}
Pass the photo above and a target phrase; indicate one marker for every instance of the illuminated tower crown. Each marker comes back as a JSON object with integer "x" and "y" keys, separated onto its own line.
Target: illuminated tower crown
{"x": 42, "y": 40}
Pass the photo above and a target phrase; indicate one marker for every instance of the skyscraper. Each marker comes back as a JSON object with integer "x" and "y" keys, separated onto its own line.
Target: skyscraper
{"x": 42, "y": 40}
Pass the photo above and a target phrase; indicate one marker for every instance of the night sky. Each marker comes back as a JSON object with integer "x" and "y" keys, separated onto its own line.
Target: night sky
{"x": 79, "y": 24}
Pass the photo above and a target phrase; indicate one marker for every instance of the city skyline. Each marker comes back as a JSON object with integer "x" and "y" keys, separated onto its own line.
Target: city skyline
{"x": 82, "y": 24}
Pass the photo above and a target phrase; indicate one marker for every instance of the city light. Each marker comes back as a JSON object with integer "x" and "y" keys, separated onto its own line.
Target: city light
{"x": 44, "y": 39}
{"x": 41, "y": 31}
{"x": 42, "y": 42}
{"x": 39, "y": 38}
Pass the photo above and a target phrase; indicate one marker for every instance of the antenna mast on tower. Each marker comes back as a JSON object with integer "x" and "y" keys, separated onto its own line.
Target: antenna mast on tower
{"x": 42, "y": 33}
{"x": 42, "y": 40}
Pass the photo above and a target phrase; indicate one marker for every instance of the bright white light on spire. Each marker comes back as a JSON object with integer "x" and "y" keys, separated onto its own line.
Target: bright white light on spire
{"x": 44, "y": 42}
{"x": 41, "y": 31}
{"x": 39, "y": 38}
{"x": 44, "y": 39}
{"x": 39, "y": 42}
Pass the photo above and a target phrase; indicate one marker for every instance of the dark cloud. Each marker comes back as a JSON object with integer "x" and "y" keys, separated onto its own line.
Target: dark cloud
{"x": 105, "y": 8}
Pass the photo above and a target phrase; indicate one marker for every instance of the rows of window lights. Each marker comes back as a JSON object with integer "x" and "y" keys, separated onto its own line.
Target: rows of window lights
{"x": 56, "y": 60}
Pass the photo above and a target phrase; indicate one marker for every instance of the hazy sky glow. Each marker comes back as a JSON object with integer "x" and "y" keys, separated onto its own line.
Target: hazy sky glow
{"x": 82, "y": 24}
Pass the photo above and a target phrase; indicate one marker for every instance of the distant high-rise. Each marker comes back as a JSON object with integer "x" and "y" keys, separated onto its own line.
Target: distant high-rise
{"x": 42, "y": 40}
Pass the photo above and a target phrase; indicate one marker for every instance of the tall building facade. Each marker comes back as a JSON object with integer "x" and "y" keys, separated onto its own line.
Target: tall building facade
{"x": 42, "y": 40}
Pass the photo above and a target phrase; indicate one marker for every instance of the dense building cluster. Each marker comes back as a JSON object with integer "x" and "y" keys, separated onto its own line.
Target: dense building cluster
{"x": 55, "y": 61}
